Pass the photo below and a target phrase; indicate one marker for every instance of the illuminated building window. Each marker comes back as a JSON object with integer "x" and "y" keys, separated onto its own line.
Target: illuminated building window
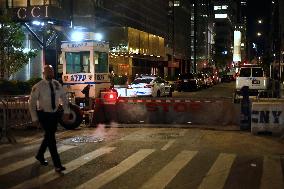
{"x": 17, "y": 3}
{"x": 44, "y": 2}
{"x": 176, "y": 3}
{"x": 24, "y": 3}
{"x": 217, "y": 7}
{"x": 221, "y": 15}
{"x": 224, "y": 7}
{"x": 37, "y": 2}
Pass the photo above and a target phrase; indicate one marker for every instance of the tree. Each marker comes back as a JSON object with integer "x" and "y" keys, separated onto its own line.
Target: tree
{"x": 13, "y": 56}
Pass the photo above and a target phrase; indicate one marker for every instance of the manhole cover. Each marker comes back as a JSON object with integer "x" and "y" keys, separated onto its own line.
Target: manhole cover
{"x": 165, "y": 135}
{"x": 86, "y": 139}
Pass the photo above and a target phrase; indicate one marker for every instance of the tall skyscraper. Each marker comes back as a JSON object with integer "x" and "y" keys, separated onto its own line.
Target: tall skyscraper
{"x": 225, "y": 19}
{"x": 202, "y": 35}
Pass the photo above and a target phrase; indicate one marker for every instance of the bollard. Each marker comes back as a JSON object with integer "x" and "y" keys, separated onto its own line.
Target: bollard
{"x": 282, "y": 90}
{"x": 245, "y": 120}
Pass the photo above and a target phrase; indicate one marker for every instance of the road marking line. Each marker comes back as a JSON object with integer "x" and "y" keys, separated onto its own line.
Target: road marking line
{"x": 182, "y": 133}
{"x": 218, "y": 173}
{"x": 165, "y": 147}
{"x": 20, "y": 164}
{"x": 27, "y": 141}
{"x": 272, "y": 173}
{"x": 167, "y": 173}
{"x": 71, "y": 166}
{"x": 116, "y": 171}
{"x": 16, "y": 152}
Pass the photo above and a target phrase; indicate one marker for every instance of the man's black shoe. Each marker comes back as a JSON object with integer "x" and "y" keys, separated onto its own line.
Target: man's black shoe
{"x": 60, "y": 169}
{"x": 42, "y": 161}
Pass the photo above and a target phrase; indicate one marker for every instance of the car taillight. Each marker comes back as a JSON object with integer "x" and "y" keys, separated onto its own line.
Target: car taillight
{"x": 110, "y": 96}
{"x": 148, "y": 86}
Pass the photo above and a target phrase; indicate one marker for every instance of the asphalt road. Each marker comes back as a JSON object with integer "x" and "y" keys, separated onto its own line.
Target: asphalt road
{"x": 221, "y": 90}
{"x": 118, "y": 157}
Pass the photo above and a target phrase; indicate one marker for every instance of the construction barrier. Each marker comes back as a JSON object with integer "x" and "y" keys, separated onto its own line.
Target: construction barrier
{"x": 14, "y": 113}
{"x": 168, "y": 111}
{"x": 267, "y": 117}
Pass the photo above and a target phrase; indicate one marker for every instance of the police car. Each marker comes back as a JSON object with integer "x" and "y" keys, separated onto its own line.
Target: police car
{"x": 154, "y": 86}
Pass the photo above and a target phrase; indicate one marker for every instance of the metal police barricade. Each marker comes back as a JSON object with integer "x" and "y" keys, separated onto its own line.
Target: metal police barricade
{"x": 14, "y": 114}
{"x": 3, "y": 110}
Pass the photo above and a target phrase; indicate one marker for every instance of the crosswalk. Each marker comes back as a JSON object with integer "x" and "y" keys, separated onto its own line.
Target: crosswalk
{"x": 164, "y": 175}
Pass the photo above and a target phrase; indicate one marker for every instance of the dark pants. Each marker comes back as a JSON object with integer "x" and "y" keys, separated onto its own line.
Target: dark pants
{"x": 49, "y": 123}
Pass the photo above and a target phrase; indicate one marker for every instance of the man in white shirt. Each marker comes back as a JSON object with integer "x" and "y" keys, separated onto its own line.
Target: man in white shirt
{"x": 43, "y": 104}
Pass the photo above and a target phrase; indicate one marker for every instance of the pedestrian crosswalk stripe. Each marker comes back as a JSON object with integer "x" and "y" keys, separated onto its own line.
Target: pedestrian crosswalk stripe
{"x": 218, "y": 173}
{"x": 272, "y": 176}
{"x": 168, "y": 145}
{"x": 116, "y": 171}
{"x": 166, "y": 174}
{"x": 17, "y": 151}
{"x": 71, "y": 166}
{"x": 33, "y": 140}
{"x": 20, "y": 164}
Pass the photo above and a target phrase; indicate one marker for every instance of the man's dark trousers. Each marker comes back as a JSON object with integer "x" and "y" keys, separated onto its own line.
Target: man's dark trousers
{"x": 49, "y": 123}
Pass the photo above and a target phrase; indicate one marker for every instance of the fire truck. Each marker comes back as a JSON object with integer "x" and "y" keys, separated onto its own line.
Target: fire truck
{"x": 85, "y": 76}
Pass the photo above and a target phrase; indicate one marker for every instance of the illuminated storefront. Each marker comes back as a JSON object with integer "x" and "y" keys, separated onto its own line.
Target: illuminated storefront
{"x": 135, "y": 52}
{"x": 41, "y": 20}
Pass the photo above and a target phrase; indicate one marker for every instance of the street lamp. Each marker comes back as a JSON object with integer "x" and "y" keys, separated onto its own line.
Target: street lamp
{"x": 77, "y": 36}
{"x": 258, "y": 34}
{"x": 259, "y": 21}
{"x": 98, "y": 36}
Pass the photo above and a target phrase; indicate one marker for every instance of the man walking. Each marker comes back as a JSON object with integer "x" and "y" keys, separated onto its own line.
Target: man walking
{"x": 43, "y": 105}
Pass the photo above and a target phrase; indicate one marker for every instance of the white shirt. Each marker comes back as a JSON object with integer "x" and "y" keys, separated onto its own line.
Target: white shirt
{"x": 40, "y": 98}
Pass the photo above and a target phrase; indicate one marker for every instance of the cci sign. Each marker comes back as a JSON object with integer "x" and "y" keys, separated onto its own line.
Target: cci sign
{"x": 25, "y": 13}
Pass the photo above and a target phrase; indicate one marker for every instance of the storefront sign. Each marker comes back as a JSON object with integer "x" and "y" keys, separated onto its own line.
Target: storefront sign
{"x": 24, "y": 13}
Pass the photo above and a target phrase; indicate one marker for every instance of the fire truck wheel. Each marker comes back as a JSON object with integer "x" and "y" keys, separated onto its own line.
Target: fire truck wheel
{"x": 75, "y": 118}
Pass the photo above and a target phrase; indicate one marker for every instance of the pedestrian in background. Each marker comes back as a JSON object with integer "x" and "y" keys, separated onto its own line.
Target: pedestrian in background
{"x": 43, "y": 105}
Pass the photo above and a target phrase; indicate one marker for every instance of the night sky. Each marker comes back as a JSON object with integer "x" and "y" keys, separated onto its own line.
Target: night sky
{"x": 258, "y": 9}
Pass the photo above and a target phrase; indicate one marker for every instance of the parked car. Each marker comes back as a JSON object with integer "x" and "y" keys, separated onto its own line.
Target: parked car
{"x": 208, "y": 80}
{"x": 202, "y": 80}
{"x": 188, "y": 82}
{"x": 154, "y": 86}
{"x": 226, "y": 78}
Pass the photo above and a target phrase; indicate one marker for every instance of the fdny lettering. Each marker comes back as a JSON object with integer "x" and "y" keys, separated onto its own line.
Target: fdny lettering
{"x": 76, "y": 45}
{"x": 78, "y": 77}
{"x": 265, "y": 116}
{"x": 100, "y": 77}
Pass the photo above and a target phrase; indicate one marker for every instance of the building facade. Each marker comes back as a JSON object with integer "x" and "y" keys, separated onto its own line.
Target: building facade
{"x": 146, "y": 37}
{"x": 202, "y": 35}
{"x": 44, "y": 22}
{"x": 225, "y": 19}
